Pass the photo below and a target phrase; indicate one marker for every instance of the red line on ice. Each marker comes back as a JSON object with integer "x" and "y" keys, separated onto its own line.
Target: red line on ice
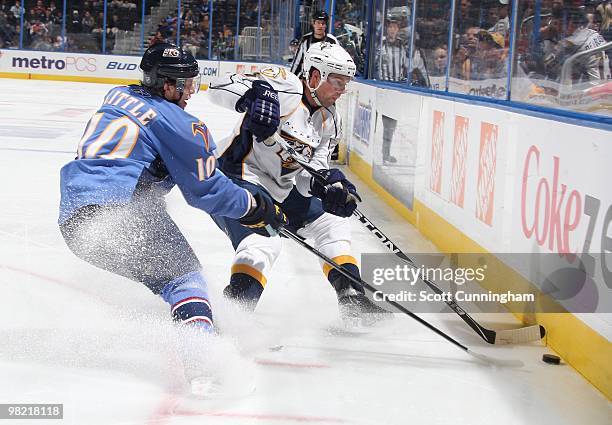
{"x": 288, "y": 364}
{"x": 265, "y": 417}
{"x": 166, "y": 410}
{"x": 55, "y": 280}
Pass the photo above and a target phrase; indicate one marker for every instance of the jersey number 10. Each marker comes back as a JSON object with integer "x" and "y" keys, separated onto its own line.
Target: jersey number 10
{"x": 117, "y": 139}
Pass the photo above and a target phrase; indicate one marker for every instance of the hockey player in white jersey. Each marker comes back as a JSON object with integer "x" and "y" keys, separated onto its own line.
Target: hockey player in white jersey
{"x": 315, "y": 211}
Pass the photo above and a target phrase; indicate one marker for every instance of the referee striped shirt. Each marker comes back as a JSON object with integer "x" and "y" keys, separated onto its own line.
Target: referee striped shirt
{"x": 393, "y": 61}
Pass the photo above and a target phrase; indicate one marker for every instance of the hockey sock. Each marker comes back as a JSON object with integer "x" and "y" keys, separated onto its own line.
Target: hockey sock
{"x": 341, "y": 283}
{"x": 188, "y": 297}
{"x": 245, "y": 289}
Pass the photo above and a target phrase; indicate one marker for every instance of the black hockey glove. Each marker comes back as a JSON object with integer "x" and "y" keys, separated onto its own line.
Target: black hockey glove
{"x": 265, "y": 217}
{"x": 339, "y": 195}
{"x": 260, "y": 102}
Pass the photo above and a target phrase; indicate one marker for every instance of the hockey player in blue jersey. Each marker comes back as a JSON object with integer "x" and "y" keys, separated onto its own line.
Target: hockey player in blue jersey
{"x": 136, "y": 147}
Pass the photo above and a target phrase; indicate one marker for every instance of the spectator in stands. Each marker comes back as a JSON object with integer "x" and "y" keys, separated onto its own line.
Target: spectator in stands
{"x": 31, "y": 16}
{"x": 75, "y": 22}
{"x": 471, "y": 39}
{"x": 188, "y": 21}
{"x": 43, "y": 43}
{"x": 582, "y": 39}
{"x": 463, "y": 60}
{"x": 204, "y": 24}
{"x": 128, "y": 5}
{"x": 115, "y": 24}
{"x": 293, "y": 46}
{"x": 39, "y": 11}
{"x": 110, "y": 37}
{"x": 87, "y": 7}
{"x": 15, "y": 41}
{"x": 52, "y": 19}
{"x": 502, "y": 22}
{"x": 465, "y": 18}
{"x": 157, "y": 38}
{"x": 17, "y": 11}
{"x": 88, "y": 22}
{"x": 225, "y": 43}
{"x": 227, "y": 33}
{"x": 439, "y": 62}
{"x": 490, "y": 56}
{"x": 6, "y": 31}
{"x": 59, "y": 42}
{"x": 37, "y": 29}
{"x": 252, "y": 10}
{"x": 100, "y": 20}
{"x": 320, "y": 20}
{"x": 605, "y": 28}
{"x": 192, "y": 42}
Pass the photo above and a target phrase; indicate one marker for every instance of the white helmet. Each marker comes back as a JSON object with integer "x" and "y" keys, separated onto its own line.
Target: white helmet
{"x": 328, "y": 58}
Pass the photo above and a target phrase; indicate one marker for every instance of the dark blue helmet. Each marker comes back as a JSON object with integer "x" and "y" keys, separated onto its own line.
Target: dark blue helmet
{"x": 164, "y": 61}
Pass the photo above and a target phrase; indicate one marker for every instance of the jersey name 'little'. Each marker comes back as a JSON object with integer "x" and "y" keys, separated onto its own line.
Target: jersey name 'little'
{"x": 131, "y": 104}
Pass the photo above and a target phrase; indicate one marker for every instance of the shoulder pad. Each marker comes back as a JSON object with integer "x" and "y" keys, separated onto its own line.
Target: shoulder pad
{"x": 287, "y": 84}
{"x": 280, "y": 78}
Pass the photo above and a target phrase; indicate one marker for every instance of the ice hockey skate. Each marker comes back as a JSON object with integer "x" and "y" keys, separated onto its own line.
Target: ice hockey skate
{"x": 356, "y": 309}
{"x": 210, "y": 366}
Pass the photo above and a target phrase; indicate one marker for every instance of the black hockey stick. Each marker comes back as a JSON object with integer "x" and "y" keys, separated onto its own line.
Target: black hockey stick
{"x": 285, "y": 232}
{"x": 506, "y": 336}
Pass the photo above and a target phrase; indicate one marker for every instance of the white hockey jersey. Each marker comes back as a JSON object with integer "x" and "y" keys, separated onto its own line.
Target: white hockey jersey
{"x": 313, "y": 133}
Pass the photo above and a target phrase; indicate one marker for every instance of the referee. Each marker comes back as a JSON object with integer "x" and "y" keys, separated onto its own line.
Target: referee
{"x": 319, "y": 33}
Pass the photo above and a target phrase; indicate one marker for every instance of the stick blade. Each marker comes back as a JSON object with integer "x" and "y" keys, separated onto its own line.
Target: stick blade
{"x": 518, "y": 336}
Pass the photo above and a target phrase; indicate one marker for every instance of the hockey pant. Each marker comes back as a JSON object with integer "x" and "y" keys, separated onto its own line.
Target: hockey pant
{"x": 140, "y": 241}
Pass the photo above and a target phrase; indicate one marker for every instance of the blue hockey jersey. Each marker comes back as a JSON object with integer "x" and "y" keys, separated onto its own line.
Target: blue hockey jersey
{"x": 137, "y": 142}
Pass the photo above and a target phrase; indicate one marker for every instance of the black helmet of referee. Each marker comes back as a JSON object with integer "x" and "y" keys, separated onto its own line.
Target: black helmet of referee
{"x": 321, "y": 15}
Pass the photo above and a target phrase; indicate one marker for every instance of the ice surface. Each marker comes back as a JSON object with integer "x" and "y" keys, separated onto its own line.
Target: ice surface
{"x": 105, "y": 348}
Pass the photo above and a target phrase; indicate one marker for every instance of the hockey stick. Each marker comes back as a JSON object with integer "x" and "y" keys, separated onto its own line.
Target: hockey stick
{"x": 288, "y": 233}
{"x": 507, "y": 336}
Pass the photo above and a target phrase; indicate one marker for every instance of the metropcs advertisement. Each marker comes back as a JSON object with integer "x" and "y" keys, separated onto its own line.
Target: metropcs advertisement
{"x": 79, "y": 65}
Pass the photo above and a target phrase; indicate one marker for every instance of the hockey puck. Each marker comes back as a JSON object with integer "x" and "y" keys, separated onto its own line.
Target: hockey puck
{"x": 551, "y": 359}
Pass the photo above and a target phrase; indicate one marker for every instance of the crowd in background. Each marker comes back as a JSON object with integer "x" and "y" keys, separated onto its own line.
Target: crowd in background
{"x": 549, "y": 32}
{"x": 195, "y": 28}
{"x": 42, "y": 23}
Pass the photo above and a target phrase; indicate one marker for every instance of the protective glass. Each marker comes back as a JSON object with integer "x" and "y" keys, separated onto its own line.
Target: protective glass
{"x": 341, "y": 84}
{"x": 189, "y": 85}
